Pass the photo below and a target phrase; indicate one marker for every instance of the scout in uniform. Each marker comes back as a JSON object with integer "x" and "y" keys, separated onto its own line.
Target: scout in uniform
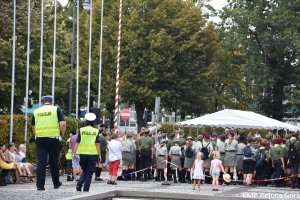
{"x": 128, "y": 156}
{"x": 88, "y": 149}
{"x": 49, "y": 127}
{"x": 103, "y": 145}
{"x": 146, "y": 153}
{"x": 294, "y": 158}
{"x": 161, "y": 155}
{"x": 175, "y": 155}
{"x": 277, "y": 157}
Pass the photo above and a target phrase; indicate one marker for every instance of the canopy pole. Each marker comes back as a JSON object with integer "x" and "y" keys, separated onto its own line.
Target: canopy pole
{"x": 197, "y": 131}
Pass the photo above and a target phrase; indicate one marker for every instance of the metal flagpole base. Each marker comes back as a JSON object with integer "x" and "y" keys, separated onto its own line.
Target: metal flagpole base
{"x": 165, "y": 183}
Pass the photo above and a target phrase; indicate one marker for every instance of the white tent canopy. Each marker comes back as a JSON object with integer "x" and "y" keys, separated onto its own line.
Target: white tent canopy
{"x": 237, "y": 119}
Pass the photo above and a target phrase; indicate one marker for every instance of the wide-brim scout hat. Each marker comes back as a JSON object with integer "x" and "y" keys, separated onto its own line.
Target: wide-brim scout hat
{"x": 226, "y": 178}
{"x": 90, "y": 117}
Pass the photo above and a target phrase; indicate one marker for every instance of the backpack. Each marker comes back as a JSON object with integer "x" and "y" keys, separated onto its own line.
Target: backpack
{"x": 205, "y": 151}
{"x": 247, "y": 151}
{"x": 260, "y": 158}
{"x": 189, "y": 152}
{"x": 292, "y": 153}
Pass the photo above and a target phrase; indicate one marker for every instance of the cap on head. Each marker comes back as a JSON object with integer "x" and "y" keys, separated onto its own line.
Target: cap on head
{"x": 90, "y": 117}
{"x": 47, "y": 98}
{"x": 189, "y": 138}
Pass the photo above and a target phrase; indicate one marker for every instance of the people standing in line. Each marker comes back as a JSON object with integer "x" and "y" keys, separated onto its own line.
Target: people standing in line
{"x": 128, "y": 156}
{"x": 161, "y": 155}
{"x": 76, "y": 169}
{"x": 103, "y": 146}
{"x": 146, "y": 145}
{"x": 230, "y": 152}
{"x": 240, "y": 156}
{"x": 294, "y": 158}
{"x": 114, "y": 156}
{"x": 49, "y": 126}
{"x": 216, "y": 167}
{"x": 189, "y": 158}
{"x": 87, "y": 149}
{"x": 276, "y": 154}
{"x": 198, "y": 168}
{"x": 248, "y": 161}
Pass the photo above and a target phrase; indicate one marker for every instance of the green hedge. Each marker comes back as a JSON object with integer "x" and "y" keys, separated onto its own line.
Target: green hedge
{"x": 19, "y": 131}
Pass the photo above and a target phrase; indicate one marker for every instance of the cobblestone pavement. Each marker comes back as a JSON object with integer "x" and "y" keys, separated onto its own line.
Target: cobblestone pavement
{"x": 67, "y": 191}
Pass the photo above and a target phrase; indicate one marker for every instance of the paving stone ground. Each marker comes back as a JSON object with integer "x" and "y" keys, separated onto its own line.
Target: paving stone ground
{"x": 67, "y": 191}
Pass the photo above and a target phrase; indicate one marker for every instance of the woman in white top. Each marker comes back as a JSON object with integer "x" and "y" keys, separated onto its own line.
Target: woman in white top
{"x": 114, "y": 157}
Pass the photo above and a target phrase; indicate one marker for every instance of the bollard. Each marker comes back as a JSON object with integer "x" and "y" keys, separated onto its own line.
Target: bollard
{"x": 166, "y": 178}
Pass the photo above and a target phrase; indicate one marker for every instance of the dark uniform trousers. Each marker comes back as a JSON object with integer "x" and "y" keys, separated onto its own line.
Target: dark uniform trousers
{"x": 88, "y": 166}
{"x": 47, "y": 148}
{"x": 145, "y": 161}
{"x": 278, "y": 172}
{"x": 295, "y": 170}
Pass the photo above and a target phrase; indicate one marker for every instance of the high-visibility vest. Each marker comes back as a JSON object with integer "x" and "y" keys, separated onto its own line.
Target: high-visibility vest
{"x": 87, "y": 144}
{"x": 69, "y": 153}
{"x": 46, "y": 121}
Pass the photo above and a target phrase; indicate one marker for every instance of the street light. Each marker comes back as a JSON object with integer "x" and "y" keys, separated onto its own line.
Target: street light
{"x": 88, "y": 5}
{"x": 100, "y": 60}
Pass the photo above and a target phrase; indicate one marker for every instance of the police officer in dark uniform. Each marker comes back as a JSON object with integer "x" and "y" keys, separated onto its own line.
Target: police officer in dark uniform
{"x": 88, "y": 148}
{"x": 49, "y": 127}
{"x": 146, "y": 145}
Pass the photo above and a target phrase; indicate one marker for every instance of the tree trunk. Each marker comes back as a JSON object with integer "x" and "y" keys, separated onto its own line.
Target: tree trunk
{"x": 278, "y": 97}
{"x": 140, "y": 108}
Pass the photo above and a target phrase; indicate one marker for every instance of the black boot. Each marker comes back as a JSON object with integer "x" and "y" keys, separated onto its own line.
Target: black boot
{"x": 98, "y": 174}
{"x": 183, "y": 173}
{"x": 174, "y": 175}
{"x": 207, "y": 181}
{"x": 188, "y": 177}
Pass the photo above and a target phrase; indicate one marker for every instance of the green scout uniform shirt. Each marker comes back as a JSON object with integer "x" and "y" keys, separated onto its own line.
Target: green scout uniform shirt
{"x": 276, "y": 152}
{"x": 145, "y": 142}
{"x": 103, "y": 142}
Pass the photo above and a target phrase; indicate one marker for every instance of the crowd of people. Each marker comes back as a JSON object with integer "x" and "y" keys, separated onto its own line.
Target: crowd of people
{"x": 226, "y": 158}
{"x": 246, "y": 159}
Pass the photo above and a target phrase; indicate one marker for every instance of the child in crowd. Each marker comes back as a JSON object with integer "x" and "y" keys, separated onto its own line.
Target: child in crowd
{"x": 216, "y": 167}
{"x": 198, "y": 170}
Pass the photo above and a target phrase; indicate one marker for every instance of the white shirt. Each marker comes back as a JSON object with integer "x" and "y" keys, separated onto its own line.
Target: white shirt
{"x": 114, "y": 150}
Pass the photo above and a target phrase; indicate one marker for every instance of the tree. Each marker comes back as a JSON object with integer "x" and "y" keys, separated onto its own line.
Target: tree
{"x": 166, "y": 48}
{"x": 267, "y": 31}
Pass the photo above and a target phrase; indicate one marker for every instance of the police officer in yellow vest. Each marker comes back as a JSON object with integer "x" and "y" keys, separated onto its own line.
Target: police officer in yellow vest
{"x": 88, "y": 148}
{"x": 49, "y": 127}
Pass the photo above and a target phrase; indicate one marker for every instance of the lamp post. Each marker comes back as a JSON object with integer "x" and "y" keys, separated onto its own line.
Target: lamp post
{"x": 72, "y": 61}
{"x": 41, "y": 53}
{"x": 100, "y": 60}
{"x": 88, "y": 5}
{"x": 54, "y": 53}
{"x": 77, "y": 60}
{"x": 27, "y": 74}
{"x": 13, "y": 76}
